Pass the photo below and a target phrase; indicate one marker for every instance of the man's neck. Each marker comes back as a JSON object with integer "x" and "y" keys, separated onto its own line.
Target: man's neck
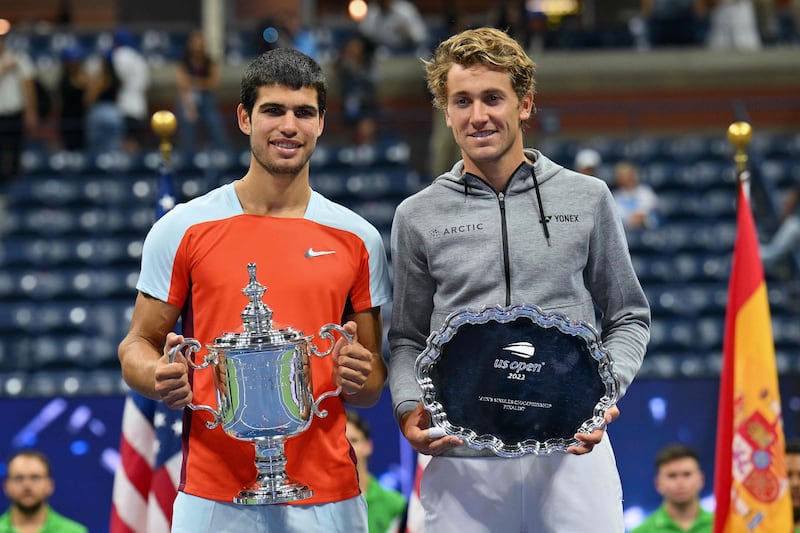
{"x": 28, "y": 522}
{"x": 273, "y": 196}
{"x": 683, "y": 514}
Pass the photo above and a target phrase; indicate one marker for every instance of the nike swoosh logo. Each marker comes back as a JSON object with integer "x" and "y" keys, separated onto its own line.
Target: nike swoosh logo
{"x": 314, "y": 253}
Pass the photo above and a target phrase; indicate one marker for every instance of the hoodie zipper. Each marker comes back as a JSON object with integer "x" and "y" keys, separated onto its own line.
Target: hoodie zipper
{"x": 506, "y": 263}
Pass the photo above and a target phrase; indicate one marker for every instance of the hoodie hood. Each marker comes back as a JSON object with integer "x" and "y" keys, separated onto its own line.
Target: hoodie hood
{"x": 527, "y": 176}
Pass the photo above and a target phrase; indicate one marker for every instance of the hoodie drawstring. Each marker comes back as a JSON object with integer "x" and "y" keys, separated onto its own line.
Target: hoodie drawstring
{"x": 543, "y": 219}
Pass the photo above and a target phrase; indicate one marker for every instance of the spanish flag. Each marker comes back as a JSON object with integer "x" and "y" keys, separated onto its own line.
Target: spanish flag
{"x": 750, "y": 484}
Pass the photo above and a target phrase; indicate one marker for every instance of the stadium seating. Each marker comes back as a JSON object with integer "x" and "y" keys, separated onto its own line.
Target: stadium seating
{"x": 71, "y": 239}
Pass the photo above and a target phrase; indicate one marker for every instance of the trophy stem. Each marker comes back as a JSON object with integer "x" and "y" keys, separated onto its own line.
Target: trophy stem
{"x": 272, "y": 485}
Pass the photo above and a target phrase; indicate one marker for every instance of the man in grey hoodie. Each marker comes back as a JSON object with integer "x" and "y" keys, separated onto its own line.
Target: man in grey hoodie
{"x": 508, "y": 226}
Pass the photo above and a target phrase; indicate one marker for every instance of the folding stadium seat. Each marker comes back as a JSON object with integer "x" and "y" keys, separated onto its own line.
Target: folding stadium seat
{"x": 784, "y": 297}
{"x": 13, "y": 384}
{"x": 67, "y": 163}
{"x": 363, "y": 155}
{"x": 397, "y": 152}
{"x": 107, "y": 191}
{"x": 33, "y": 160}
{"x": 103, "y": 382}
{"x": 686, "y": 148}
{"x": 97, "y": 284}
{"x": 718, "y": 204}
{"x": 710, "y": 331}
{"x": 786, "y": 331}
{"x": 643, "y": 149}
{"x": 379, "y": 212}
{"x": 659, "y": 365}
{"x": 705, "y": 299}
{"x": 51, "y": 383}
{"x": 101, "y": 251}
{"x": 102, "y": 220}
{"x": 42, "y": 284}
{"x": 50, "y": 221}
{"x": 36, "y": 251}
{"x": 330, "y": 184}
{"x": 717, "y": 267}
{"x": 677, "y": 206}
{"x": 692, "y": 365}
{"x": 715, "y": 236}
{"x": 661, "y": 176}
{"x": 43, "y": 191}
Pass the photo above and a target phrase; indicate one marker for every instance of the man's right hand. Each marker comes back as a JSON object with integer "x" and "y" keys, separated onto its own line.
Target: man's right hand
{"x": 172, "y": 379}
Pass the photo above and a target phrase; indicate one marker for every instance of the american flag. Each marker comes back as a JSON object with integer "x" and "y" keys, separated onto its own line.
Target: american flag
{"x": 146, "y": 482}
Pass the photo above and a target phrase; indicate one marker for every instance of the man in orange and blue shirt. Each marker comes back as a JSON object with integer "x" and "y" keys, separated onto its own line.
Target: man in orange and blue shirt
{"x": 320, "y": 262}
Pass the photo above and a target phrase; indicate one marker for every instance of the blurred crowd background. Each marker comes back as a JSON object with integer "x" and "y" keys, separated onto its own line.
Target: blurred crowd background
{"x": 640, "y": 93}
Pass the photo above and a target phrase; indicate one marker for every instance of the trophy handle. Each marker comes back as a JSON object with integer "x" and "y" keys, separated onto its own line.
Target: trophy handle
{"x": 193, "y": 346}
{"x": 325, "y": 333}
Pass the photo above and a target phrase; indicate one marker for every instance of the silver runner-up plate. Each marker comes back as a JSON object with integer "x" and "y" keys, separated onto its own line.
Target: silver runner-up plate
{"x": 516, "y": 380}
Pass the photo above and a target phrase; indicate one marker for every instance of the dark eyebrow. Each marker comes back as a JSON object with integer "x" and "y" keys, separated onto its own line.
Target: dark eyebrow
{"x": 273, "y": 105}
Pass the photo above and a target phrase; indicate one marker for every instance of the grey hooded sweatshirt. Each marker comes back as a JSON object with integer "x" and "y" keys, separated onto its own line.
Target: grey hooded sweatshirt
{"x": 555, "y": 241}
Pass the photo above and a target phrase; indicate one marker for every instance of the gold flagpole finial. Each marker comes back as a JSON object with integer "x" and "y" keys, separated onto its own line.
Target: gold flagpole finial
{"x": 739, "y": 135}
{"x": 164, "y": 125}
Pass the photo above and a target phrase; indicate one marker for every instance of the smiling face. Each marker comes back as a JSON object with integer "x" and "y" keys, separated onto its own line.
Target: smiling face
{"x": 283, "y": 128}
{"x": 486, "y": 117}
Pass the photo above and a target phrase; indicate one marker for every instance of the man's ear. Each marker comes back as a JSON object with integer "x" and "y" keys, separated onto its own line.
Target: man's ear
{"x": 244, "y": 119}
{"x": 526, "y": 107}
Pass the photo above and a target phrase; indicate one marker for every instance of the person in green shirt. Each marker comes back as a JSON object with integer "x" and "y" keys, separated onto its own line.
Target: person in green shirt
{"x": 28, "y": 486}
{"x": 679, "y": 480}
{"x": 793, "y": 473}
{"x": 385, "y": 507}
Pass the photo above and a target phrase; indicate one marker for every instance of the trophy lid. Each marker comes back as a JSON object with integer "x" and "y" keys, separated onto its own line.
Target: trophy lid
{"x": 257, "y": 321}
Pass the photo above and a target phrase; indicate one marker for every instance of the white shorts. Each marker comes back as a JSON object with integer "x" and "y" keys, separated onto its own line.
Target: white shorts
{"x": 559, "y": 493}
{"x": 192, "y": 514}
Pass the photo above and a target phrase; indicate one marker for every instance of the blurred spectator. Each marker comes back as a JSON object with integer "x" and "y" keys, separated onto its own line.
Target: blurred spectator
{"x": 527, "y": 27}
{"x": 637, "y": 203}
{"x": 28, "y": 486}
{"x": 134, "y": 76}
{"x": 286, "y": 30}
{"x": 787, "y": 238}
{"x": 673, "y": 22}
{"x": 198, "y": 77}
{"x": 793, "y": 473}
{"x": 18, "y": 110}
{"x": 588, "y": 161}
{"x": 679, "y": 480}
{"x": 105, "y": 125}
{"x": 787, "y": 20}
{"x": 733, "y": 25}
{"x": 385, "y": 507}
{"x": 71, "y": 92}
{"x": 394, "y": 24}
{"x": 442, "y": 146}
{"x": 356, "y": 79}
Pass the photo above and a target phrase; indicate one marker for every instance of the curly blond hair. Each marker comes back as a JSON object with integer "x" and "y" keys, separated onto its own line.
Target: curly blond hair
{"x": 490, "y": 47}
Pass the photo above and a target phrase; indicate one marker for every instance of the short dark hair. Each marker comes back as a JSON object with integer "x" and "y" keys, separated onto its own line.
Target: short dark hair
{"x": 672, "y": 452}
{"x": 360, "y": 424}
{"x": 287, "y": 67}
{"x": 29, "y": 452}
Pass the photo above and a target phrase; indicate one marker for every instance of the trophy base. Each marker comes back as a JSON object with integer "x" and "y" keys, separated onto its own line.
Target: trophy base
{"x": 265, "y": 495}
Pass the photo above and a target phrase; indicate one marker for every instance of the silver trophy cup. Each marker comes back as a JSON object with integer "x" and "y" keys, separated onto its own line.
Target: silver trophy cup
{"x": 264, "y": 392}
